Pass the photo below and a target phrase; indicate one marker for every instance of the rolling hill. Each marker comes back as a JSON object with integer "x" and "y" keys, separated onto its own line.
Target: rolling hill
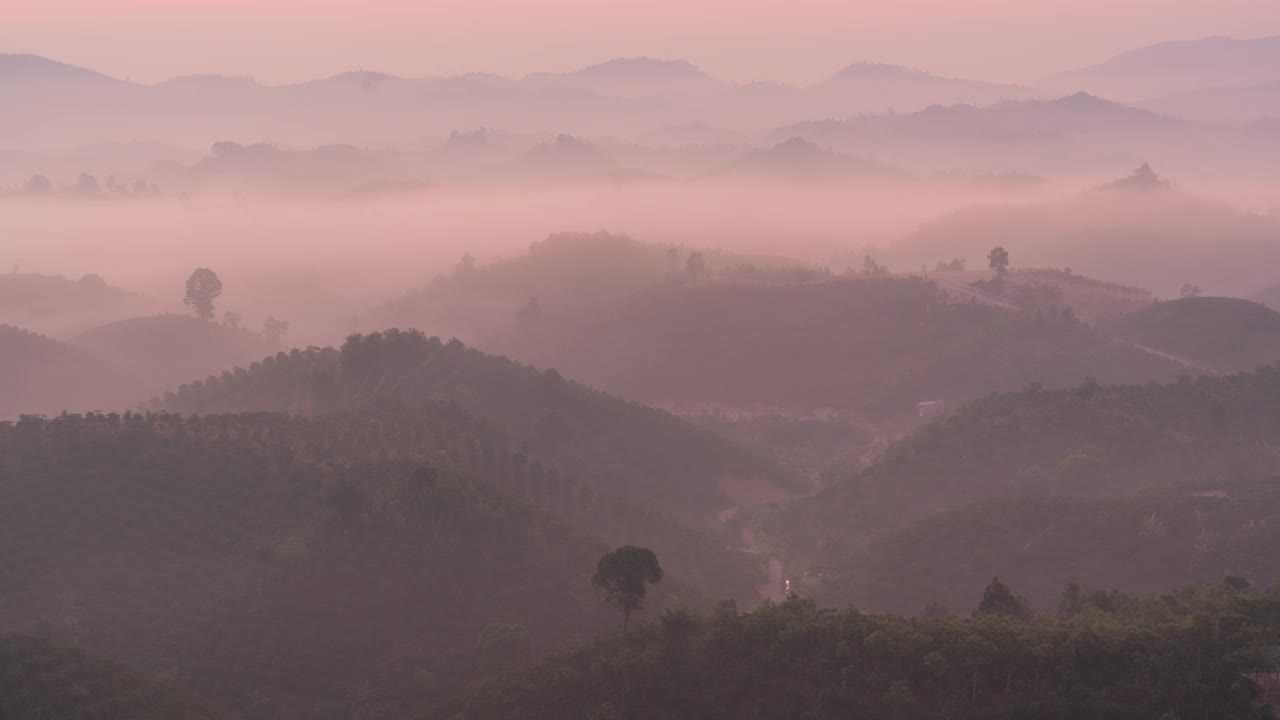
{"x": 623, "y": 449}
{"x": 1219, "y": 334}
{"x": 1177, "y": 67}
{"x": 1109, "y": 233}
{"x": 161, "y": 351}
{"x": 875, "y": 344}
{"x": 1090, "y": 442}
{"x": 1147, "y": 543}
{"x": 328, "y": 564}
{"x": 39, "y": 375}
{"x": 566, "y": 272}
{"x": 61, "y": 307}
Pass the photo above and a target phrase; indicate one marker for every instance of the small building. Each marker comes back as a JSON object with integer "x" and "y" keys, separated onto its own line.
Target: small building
{"x": 931, "y": 408}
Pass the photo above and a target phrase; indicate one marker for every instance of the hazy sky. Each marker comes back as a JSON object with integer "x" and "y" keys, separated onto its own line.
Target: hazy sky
{"x": 792, "y": 41}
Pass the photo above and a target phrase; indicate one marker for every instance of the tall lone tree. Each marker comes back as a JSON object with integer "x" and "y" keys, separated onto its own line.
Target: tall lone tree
{"x": 998, "y": 258}
{"x": 203, "y": 287}
{"x": 624, "y": 574}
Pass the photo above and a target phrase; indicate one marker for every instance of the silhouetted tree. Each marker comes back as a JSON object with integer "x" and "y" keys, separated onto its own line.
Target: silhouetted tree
{"x": 38, "y": 185}
{"x": 232, "y": 319}
{"x": 203, "y": 287}
{"x": 624, "y": 574}
{"x": 695, "y": 266}
{"x": 998, "y": 260}
{"x": 274, "y": 331}
{"x": 1189, "y": 290}
{"x": 467, "y": 264}
{"x": 873, "y": 268}
{"x": 998, "y": 599}
{"x": 529, "y": 312}
{"x": 87, "y": 184}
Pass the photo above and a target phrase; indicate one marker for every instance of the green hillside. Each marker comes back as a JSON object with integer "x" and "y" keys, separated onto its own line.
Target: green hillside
{"x": 42, "y": 375}
{"x": 1139, "y": 544}
{"x": 160, "y": 351}
{"x": 1217, "y": 333}
{"x": 875, "y": 344}
{"x": 61, "y": 307}
{"x": 39, "y": 679}
{"x": 302, "y": 560}
{"x": 564, "y": 272}
{"x": 1160, "y": 657}
{"x": 1093, "y": 441}
{"x": 622, "y": 449}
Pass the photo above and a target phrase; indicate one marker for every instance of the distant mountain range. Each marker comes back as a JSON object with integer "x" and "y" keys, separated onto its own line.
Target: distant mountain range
{"x": 1174, "y": 68}
{"x": 57, "y": 105}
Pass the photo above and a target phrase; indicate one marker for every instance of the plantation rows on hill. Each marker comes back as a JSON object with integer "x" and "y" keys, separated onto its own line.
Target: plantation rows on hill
{"x": 620, "y": 449}
{"x": 308, "y": 561}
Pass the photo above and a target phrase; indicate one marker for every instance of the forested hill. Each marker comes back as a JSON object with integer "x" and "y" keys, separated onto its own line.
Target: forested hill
{"x": 1217, "y": 333}
{"x": 1147, "y": 543}
{"x": 39, "y": 679}
{"x": 323, "y": 563}
{"x": 42, "y": 375}
{"x": 1091, "y": 441}
{"x": 877, "y": 344}
{"x": 624, "y": 449}
{"x": 563, "y": 273}
{"x": 1169, "y": 656}
{"x": 61, "y": 307}
{"x": 160, "y": 351}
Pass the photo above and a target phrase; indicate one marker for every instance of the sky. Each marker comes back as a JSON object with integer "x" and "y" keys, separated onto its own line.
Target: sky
{"x": 796, "y": 41}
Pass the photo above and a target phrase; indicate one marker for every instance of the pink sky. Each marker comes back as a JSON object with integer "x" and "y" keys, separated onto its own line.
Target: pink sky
{"x": 793, "y": 41}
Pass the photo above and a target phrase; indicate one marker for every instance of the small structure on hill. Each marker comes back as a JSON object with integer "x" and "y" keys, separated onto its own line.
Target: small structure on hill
{"x": 931, "y": 408}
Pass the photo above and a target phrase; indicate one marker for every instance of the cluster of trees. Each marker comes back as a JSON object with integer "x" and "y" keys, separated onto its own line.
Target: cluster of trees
{"x": 204, "y": 286}
{"x": 1186, "y": 654}
{"x": 88, "y": 185}
{"x": 40, "y": 679}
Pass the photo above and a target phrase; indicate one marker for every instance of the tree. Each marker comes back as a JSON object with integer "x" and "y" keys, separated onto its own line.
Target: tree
{"x": 998, "y": 599}
{"x": 624, "y": 574}
{"x": 873, "y": 268}
{"x": 1188, "y": 290}
{"x": 695, "y": 266}
{"x": 232, "y": 319}
{"x": 203, "y": 287}
{"x": 274, "y": 331}
{"x": 998, "y": 259}
{"x": 530, "y": 312}
{"x": 466, "y": 265}
{"x": 87, "y": 184}
{"x": 38, "y": 185}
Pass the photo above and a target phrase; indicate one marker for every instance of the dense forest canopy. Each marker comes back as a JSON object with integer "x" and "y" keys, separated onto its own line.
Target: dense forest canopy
{"x": 1175, "y": 655}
